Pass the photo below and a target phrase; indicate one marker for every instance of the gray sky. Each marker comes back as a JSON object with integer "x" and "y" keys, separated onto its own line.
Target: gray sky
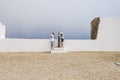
{"x": 37, "y": 18}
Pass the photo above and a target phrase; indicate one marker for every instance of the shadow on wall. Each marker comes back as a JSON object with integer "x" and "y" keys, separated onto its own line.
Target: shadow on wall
{"x": 94, "y": 27}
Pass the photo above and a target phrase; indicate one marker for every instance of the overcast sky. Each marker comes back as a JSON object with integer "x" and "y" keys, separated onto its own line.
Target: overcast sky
{"x": 37, "y": 18}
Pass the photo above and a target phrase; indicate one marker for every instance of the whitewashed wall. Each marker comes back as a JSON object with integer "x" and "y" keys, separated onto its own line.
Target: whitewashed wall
{"x": 109, "y": 34}
{"x": 108, "y": 40}
{"x": 24, "y": 45}
{"x": 2, "y": 31}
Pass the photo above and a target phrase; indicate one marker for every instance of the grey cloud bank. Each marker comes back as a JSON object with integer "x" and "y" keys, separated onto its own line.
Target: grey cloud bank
{"x": 37, "y": 18}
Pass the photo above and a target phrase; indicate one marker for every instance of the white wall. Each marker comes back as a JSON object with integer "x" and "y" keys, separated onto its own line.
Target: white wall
{"x": 108, "y": 35}
{"x": 2, "y": 31}
{"x": 24, "y": 45}
{"x": 108, "y": 40}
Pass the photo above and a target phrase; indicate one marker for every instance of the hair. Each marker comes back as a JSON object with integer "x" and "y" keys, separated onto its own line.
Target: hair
{"x": 61, "y": 34}
{"x": 53, "y": 33}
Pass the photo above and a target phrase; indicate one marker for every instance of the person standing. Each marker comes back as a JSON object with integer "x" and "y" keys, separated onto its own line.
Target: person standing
{"x": 52, "y": 40}
{"x": 62, "y": 39}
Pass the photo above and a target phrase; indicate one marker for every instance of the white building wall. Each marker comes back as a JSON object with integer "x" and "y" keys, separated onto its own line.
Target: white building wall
{"x": 2, "y": 31}
{"x": 108, "y": 40}
{"x": 108, "y": 35}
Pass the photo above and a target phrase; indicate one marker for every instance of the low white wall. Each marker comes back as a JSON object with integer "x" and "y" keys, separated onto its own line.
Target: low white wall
{"x": 43, "y": 45}
{"x": 108, "y": 40}
{"x": 24, "y": 45}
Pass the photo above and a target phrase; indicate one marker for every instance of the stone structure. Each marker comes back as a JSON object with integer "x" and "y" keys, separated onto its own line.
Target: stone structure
{"x": 94, "y": 27}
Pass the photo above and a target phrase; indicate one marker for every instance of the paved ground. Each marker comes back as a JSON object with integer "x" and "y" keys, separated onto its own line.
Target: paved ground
{"x": 69, "y": 66}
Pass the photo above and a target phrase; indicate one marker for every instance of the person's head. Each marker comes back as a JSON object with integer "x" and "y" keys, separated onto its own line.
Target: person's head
{"x": 53, "y": 33}
{"x": 61, "y": 34}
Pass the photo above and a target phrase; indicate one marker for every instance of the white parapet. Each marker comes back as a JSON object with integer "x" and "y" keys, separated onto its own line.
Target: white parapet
{"x": 2, "y": 31}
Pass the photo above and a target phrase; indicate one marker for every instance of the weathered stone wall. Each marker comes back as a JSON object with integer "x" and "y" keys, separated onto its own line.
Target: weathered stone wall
{"x": 94, "y": 27}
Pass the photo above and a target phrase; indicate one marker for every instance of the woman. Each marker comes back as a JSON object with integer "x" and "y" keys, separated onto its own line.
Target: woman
{"x": 52, "y": 39}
